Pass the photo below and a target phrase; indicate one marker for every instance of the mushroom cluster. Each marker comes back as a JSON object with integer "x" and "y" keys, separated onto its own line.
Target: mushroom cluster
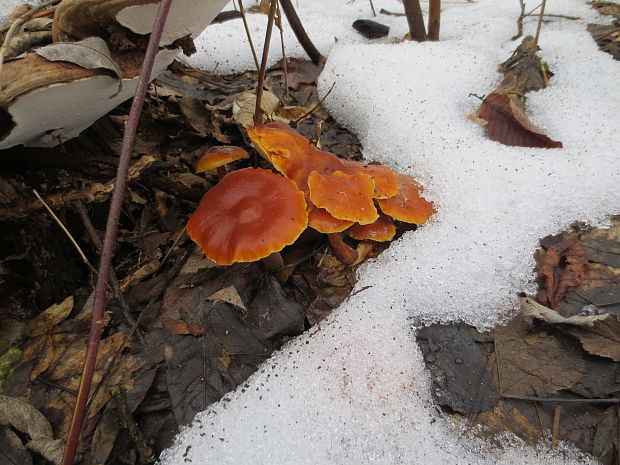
{"x": 338, "y": 195}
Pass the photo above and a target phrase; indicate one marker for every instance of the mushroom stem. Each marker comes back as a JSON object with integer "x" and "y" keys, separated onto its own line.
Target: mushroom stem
{"x": 273, "y": 263}
{"x": 364, "y": 250}
{"x": 221, "y": 172}
{"x": 343, "y": 252}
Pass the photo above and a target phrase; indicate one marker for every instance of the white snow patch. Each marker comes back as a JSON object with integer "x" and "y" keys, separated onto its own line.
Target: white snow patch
{"x": 354, "y": 390}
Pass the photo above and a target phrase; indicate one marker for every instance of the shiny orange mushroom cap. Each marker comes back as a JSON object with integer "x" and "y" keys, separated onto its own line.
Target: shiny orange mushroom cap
{"x": 408, "y": 205}
{"x": 219, "y": 156}
{"x": 323, "y": 222}
{"x": 386, "y": 181}
{"x": 381, "y": 230}
{"x": 344, "y": 196}
{"x": 248, "y": 215}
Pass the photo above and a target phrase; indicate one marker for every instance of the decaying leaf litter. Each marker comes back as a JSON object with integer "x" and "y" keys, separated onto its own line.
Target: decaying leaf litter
{"x": 193, "y": 326}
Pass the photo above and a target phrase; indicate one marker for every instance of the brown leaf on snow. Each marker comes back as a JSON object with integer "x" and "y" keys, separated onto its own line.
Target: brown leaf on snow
{"x": 562, "y": 269}
{"x": 508, "y": 124}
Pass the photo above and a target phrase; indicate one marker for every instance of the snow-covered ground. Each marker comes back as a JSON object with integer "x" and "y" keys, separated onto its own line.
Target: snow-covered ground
{"x": 354, "y": 390}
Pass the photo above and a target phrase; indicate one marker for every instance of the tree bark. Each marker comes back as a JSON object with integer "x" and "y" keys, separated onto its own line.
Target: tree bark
{"x": 415, "y": 20}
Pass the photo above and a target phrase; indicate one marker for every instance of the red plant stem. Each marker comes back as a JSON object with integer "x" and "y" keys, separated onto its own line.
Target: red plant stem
{"x": 258, "y": 115}
{"x": 111, "y": 231}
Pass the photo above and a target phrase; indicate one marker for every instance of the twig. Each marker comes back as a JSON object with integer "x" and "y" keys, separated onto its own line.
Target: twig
{"x": 610, "y": 400}
{"x": 520, "y": 21}
{"x": 300, "y": 32}
{"x": 145, "y": 452}
{"x": 111, "y": 231}
{"x": 383, "y": 11}
{"x": 247, "y": 33}
{"x": 555, "y": 432}
{"x": 317, "y": 105}
{"x": 258, "y": 115}
{"x": 372, "y": 7}
{"x": 540, "y": 21}
{"x": 415, "y": 20}
{"x": 94, "y": 238}
{"x": 66, "y": 231}
{"x": 15, "y": 26}
{"x": 174, "y": 244}
{"x": 434, "y": 17}
{"x": 226, "y": 16}
{"x": 573, "y": 18}
{"x": 284, "y": 63}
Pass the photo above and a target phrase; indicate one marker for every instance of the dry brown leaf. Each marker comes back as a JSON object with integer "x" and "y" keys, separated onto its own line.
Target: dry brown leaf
{"x": 229, "y": 295}
{"x": 562, "y": 268}
{"x": 181, "y": 327}
{"x": 244, "y": 104}
{"x": 196, "y": 114}
{"x": 47, "y": 320}
{"x": 508, "y": 124}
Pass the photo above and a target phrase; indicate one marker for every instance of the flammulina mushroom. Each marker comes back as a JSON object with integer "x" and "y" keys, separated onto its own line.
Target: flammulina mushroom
{"x": 381, "y": 230}
{"x": 250, "y": 214}
{"x": 408, "y": 205}
{"x": 218, "y": 157}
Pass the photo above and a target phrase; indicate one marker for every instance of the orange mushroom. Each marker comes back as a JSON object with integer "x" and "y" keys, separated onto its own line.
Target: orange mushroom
{"x": 381, "y": 230}
{"x": 322, "y": 221}
{"x": 408, "y": 205}
{"x": 217, "y": 157}
{"x": 344, "y": 196}
{"x": 248, "y": 215}
{"x": 386, "y": 182}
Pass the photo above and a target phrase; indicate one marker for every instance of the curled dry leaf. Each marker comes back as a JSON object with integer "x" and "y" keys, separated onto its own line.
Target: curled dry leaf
{"x": 90, "y": 53}
{"x": 507, "y": 123}
{"x": 562, "y": 269}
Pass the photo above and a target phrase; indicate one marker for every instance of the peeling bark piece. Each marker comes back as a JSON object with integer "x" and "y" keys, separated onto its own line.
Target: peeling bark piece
{"x": 562, "y": 269}
{"x": 508, "y": 124}
{"x": 78, "y": 19}
{"x": 371, "y": 29}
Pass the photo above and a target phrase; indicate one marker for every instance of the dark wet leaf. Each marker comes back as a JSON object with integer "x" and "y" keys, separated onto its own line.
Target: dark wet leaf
{"x": 12, "y": 451}
{"x": 460, "y": 378}
{"x": 371, "y": 29}
{"x": 606, "y": 437}
{"x": 196, "y": 114}
{"x": 535, "y": 363}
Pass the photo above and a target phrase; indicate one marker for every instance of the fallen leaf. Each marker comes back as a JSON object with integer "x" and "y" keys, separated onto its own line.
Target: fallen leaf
{"x": 606, "y": 437}
{"x": 50, "y": 318}
{"x": 562, "y": 269}
{"x": 228, "y": 294}
{"x": 181, "y": 327}
{"x": 244, "y": 105}
{"x": 371, "y": 29}
{"x": 196, "y": 114}
{"x": 508, "y": 124}
{"x": 24, "y": 417}
{"x": 12, "y": 451}
{"x": 90, "y": 53}
{"x": 535, "y": 363}
{"x": 460, "y": 378}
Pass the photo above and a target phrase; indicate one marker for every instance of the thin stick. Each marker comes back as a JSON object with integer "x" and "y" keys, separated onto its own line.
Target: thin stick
{"x": 415, "y": 20}
{"x": 247, "y": 33}
{"x": 66, "y": 231}
{"x": 372, "y": 7}
{"x": 540, "y": 21}
{"x": 258, "y": 115}
{"x": 111, "y": 231}
{"x": 611, "y": 400}
{"x": 434, "y": 16}
{"x": 555, "y": 432}
{"x": 317, "y": 105}
{"x": 300, "y": 32}
{"x": 94, "y": 238}
{"x": 285, "y": 65}
{"x": 520, "y": 21}
{"x": 15, "y": 26}
{"x": 146, "y": 453}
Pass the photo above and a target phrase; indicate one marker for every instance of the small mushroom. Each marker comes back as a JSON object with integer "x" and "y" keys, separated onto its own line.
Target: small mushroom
{"x": 341, "y": 250}
{"x": 218, "y": 157}
{"x": 344, "y": 196}
{"x": 322, "y": 221}
{"x": 380, "y": 231}
{"x": 386, "y": 181}
{"x": 248, "y": 215}
{"x": 408, "y": 205}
